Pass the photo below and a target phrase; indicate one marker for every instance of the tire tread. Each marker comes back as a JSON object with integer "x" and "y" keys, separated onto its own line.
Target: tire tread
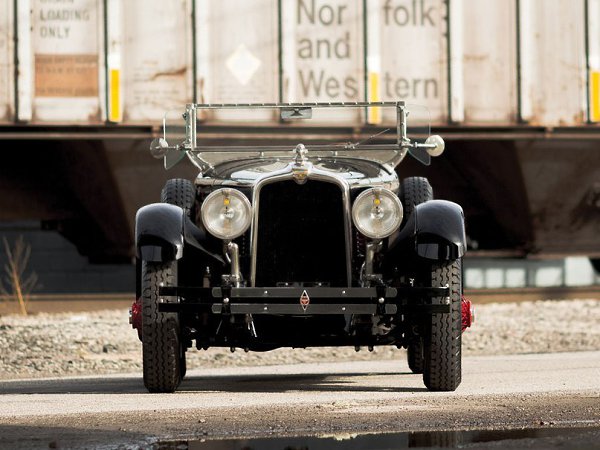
{"x": 415, "y": 190}
{"x": 443, "y": 343}
{"x": 179, "y": 192}
{"x": 161, "y": 349}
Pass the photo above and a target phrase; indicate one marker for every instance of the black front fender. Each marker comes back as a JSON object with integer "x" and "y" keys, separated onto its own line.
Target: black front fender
{"x": 162, "y": 231}
{"x": 159, "y": 232}
{"x": 435, "y": 230}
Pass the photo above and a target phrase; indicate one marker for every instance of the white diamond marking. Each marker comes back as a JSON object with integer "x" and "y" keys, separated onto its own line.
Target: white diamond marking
{"x": 243, "y": 64}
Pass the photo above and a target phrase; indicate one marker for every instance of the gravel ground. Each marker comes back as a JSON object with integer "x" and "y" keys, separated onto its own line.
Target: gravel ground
{"x": 102, "y": 342}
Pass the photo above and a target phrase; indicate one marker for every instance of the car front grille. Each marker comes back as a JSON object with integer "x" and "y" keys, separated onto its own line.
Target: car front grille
{"x": 301, "y": 234}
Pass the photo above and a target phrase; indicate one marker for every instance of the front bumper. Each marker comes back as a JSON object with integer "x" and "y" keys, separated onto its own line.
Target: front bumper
{"x": 305, "y": 300}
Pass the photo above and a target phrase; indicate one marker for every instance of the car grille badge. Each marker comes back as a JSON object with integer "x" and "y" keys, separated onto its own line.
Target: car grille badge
{"x": 304, "y": 300}
{"x": 300, "y": 174}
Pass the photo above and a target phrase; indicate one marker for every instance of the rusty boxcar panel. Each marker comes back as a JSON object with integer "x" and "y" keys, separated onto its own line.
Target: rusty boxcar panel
{"x": 407, "y": 53}
{"x": 489, "y": 61}
{"x": 553, "y": 62}
{"x": 6, "y": 61}
{"x": 66, "y": 60}
{"x": 471, "y": 62}
{"x": 156, "y": 57}
{"x": 237, "y": 57}
{"x": 323, "y": 53}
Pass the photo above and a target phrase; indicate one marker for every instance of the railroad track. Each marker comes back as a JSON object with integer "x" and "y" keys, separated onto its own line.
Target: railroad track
{"x": 56, "y": 303}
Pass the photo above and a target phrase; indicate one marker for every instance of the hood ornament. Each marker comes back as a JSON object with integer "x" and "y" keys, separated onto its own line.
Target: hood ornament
{"x": 301, "y": 166}
{"x": 301, "y": 153}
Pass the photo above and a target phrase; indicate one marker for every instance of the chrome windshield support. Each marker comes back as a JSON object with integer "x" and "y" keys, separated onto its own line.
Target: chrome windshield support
{"x": 402, "y": 134}
{"x": 190, "y": 143}
{"x": 401, "y": 121}
{"x": 190, "y": 127}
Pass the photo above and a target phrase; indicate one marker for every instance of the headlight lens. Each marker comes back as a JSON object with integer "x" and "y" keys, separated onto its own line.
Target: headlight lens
{"x": 377, "y": 213}
{"x": 226, "y": 213}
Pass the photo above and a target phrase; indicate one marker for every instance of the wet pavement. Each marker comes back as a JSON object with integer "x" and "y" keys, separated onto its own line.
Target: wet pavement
{"x": 345, "y": 405}
{"x": 516, "y": 438}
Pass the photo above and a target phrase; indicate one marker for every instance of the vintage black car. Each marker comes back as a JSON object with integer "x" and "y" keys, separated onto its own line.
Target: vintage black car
{"x": 308, "y": 244}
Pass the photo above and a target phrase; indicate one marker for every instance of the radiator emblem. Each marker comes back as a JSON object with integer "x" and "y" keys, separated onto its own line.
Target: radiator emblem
{"x": 304, "y": 300}
{"x": 300, "y": 174}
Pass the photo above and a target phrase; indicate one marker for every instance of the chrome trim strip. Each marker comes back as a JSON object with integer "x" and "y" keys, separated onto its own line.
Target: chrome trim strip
{"x": 313, "y": 174}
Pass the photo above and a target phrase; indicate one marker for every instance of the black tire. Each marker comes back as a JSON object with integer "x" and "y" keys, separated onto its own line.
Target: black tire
{"x": 161, "y": 347}
{"x": 180, "y": 192}
{"x": 414, "y": 354}
{"x": 415, "y": 190}
{"x": 442, "y": 340}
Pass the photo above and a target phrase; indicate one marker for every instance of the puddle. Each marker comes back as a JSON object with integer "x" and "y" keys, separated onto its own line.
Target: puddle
{"x": 547, "y": 437}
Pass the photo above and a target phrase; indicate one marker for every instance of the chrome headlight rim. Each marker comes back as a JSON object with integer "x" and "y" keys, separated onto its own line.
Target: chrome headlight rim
{"x": 359, "y": 203}
{"x": 224, "y": 193}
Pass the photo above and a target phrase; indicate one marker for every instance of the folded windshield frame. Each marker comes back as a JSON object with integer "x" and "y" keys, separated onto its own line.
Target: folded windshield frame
{"x": 299, "y": 111}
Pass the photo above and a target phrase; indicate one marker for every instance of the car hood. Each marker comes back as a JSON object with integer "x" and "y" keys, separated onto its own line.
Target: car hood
{"x": 248, "y": 171}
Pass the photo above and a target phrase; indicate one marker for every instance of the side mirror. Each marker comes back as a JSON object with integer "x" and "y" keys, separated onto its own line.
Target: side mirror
{"x": 159, "y": 148}
{"x": 436, "y": 145}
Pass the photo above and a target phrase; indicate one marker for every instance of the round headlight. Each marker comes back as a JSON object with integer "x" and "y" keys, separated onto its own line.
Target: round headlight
{"x": 226, "y": 213}
{"x": 377, "y": 213}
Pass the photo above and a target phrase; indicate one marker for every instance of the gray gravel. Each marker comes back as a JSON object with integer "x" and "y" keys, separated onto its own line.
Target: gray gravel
{"x": 103, "y": 342}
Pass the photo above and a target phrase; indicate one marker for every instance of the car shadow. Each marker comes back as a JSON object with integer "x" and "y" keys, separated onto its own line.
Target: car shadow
{"x": 341, "y": 382}
{"x": 263, "y": 383}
